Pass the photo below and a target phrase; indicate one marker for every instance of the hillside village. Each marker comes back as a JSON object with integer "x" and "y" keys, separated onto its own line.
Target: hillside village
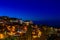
{"x": 18, "y": 29}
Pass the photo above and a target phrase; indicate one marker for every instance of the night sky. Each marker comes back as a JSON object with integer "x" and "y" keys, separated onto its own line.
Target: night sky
{"x": 42, "y": 10}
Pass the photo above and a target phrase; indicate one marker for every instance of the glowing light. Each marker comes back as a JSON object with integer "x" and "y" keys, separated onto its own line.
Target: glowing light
{"x": 34, "y": 36}
{"x": 33, "y": 32}
{"x": 11, "y": 33}
{"x": 1, "y": 36}
{"x": 39, "y": 33}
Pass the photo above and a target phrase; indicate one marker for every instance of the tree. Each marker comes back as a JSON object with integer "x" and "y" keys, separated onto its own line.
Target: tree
{"x": 29, "y": 32}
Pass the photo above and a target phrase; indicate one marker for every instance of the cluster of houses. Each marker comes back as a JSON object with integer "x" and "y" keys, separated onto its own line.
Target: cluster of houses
{"x": 14, "y": 27}
{"x": 7, "y": 20}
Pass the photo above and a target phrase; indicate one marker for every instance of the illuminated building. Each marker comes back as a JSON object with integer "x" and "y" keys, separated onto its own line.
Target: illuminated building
{"x": 27, "y": 22}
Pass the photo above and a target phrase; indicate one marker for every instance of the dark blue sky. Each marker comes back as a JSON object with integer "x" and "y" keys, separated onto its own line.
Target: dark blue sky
{"x": 31, "y": 9}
